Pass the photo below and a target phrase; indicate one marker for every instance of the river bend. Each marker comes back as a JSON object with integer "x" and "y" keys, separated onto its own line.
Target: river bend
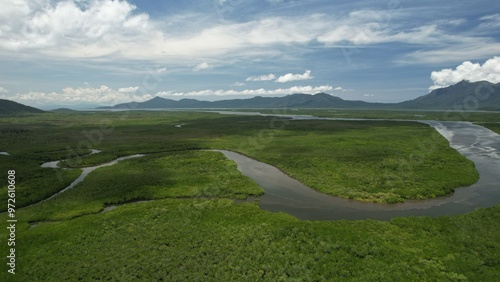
{"x": 479, "y": 144}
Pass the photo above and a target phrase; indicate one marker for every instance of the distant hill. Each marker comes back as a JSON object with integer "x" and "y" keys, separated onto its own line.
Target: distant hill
{"x": 8, "y": 107}
{"x": 64, "y": 110}
{"x": 320, "y": 100}
{"x": 464, "y": 95}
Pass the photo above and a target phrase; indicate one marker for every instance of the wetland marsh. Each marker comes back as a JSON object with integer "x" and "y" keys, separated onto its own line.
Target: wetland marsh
{"x": 192, "y": 228}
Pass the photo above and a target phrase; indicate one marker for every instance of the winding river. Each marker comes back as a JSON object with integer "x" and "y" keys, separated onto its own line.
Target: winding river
{"x": 284, "y": 194}
{"x": 85, "y": 171}
{"x": 479, "y": 144}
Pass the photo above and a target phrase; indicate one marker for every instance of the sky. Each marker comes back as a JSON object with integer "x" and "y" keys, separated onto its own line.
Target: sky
{"x": 82, "y": 53}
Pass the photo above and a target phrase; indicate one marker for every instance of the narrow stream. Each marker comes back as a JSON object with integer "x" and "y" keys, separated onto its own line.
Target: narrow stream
{"x": 284, "y": 194}
{"x": 55, "y": 164}
{"x": 85, "y": 172}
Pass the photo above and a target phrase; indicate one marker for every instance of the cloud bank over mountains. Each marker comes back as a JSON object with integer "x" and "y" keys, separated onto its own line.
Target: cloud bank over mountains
{"x": 473, "y": 72}
{"x": 105, "y": 95}
{"x": 191, "y": 46}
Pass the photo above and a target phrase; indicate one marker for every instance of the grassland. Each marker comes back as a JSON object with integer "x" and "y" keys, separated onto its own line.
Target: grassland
{"x": 192, "y": 229}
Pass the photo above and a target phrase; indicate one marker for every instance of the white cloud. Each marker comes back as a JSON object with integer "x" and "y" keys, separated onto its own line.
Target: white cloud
{"x": 44, "y": 24}
{"x": 201, "y": 66}
{"x": 490, "y": 22}
{"x": 103, "y": 95}
{"x": 284, "y": 78}
{"x": 294, "y": 77}
{"x": 249, "y": 92}
{"x": 161, "y": 70}
{"x": 128, "y": 89}
{"x": 239, "y": 84}
{"x": 489, "y": 71}
{"x": 481, "y": 48}
{"x": 366, "y": 27}
{"x": 101, "y": 29}
{"x": 265, "y": 77}
{"x": 3, "y": 90}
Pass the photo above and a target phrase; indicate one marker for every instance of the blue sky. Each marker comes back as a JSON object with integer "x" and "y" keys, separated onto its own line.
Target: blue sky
{"x": 86, "y": 52}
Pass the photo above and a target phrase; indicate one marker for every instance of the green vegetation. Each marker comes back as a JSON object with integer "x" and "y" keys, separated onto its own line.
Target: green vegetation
{"x": 370, "y": 161}
{"x": 451, "y": 115}
{"x": 8, "y": 107}
{"x": 186, "y": 174}
{"x": 33, "y": 140}
{"x": 493, "y": 126}
{"x": 192, "y": 229}
{"x": 365, "y": 160}
{"x": 218, "y": 240}
{"x": 33, "y": 182}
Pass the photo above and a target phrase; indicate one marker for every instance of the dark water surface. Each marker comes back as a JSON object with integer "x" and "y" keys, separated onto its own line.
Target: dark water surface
{"x": 479, "y": 144}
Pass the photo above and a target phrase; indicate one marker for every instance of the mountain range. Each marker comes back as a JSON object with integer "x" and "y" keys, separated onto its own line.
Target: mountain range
{"x": 464, "y": 95}
{"x": 8, "y": 107}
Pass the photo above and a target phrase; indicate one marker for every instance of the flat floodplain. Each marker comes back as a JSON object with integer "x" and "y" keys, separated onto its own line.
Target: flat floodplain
{"x": 191, "y": 228}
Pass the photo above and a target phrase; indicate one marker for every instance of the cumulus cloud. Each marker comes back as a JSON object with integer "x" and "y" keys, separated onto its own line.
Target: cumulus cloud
{"x": 239, "y": 84}
{"x": 250, "y": 92}
{"x": 265, "y": 77}
{"x": 201, "y": 66}
{"x": 489, "y": 71}
{"x": 3, "y": 90}
{"x": 102, "y": 95}
{"x": 294, "y": 77}
{"x": 42, "y": 24}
